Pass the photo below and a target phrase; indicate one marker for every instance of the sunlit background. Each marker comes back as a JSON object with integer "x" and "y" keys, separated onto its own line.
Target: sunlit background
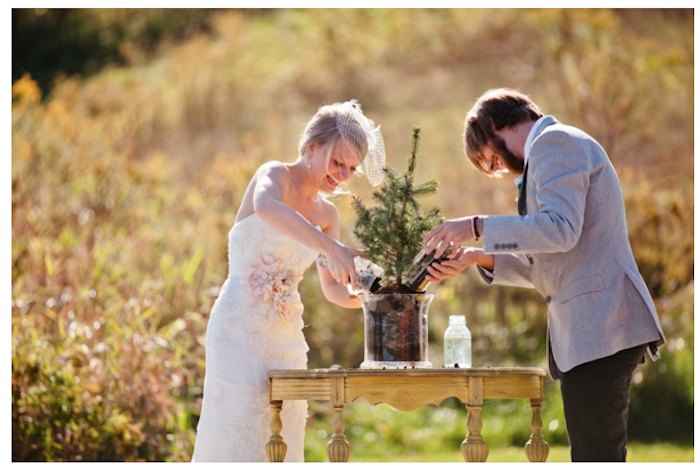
{"x": 135, "y": 133}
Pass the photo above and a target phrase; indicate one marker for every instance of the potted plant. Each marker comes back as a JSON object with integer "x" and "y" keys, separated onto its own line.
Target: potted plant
{"x": 391, "y": 233}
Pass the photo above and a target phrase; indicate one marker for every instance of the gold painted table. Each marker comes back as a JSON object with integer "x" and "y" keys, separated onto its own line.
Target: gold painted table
{"x": 406, "y": 390}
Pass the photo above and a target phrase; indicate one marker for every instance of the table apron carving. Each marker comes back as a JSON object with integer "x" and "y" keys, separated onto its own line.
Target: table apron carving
{"x": 406, "y": 390}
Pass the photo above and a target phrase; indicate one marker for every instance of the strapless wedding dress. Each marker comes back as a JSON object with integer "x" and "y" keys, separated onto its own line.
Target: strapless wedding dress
{"x": 255, "y": 326}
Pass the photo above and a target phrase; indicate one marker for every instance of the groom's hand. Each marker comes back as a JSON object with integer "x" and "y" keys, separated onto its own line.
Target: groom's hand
{"x": 460, "y": 260}
{"x": 455, "y": 231}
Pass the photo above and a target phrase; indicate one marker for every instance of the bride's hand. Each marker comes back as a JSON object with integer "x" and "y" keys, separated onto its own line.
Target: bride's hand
{"x": 341, "y": 264}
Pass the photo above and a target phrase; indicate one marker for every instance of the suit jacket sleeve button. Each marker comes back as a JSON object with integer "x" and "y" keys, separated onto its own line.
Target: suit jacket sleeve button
{"x": 497, "y": 246}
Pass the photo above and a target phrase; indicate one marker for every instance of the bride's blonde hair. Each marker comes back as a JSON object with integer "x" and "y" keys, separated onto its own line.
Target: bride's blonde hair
{"x": 345, "y": 121}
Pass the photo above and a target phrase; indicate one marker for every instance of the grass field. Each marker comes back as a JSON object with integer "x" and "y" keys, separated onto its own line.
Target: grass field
{"x": 433, "y": 434}
{"x": 636, "y": 453}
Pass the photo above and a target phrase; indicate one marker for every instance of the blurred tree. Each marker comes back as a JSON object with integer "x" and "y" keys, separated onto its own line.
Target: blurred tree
{"x": 606, "y": 67}
{"x": 47, "y": 42}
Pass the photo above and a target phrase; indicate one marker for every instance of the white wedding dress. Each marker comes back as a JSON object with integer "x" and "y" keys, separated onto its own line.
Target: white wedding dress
{"x": 255, "y": 326}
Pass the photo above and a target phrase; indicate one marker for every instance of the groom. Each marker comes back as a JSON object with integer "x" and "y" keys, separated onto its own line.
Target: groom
{"x": 570, "y": 243}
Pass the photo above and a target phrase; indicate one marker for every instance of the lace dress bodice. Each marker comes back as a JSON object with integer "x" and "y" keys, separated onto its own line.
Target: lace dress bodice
{"x": 252, "y": 237}
{"x": 260, "y": 294}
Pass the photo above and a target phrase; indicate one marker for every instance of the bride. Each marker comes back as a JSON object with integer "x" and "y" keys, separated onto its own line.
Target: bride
{"x": 282, "y": 225}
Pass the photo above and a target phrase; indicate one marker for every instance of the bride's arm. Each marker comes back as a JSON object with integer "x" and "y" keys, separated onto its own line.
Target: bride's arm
{"x": 271, "y": 187}
{"x": 332, "y": 290}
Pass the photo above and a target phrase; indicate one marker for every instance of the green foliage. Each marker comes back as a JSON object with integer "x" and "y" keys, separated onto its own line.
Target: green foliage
{"x": 383, "y": 433}
{"x": 434, "y": 433}
{"x": 55, "y": 417}
{"x": 392, "y": 231}
{"x": 670, "y": 379}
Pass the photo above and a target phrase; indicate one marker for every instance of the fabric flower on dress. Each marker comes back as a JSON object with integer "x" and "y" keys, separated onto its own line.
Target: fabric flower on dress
{"x": 273, "y": 283}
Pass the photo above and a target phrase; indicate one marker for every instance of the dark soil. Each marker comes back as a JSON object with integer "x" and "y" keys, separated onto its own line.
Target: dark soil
{"x": 394, "y": 289}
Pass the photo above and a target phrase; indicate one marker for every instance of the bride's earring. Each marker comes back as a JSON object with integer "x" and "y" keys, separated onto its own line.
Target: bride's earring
{"x": 309, "y": 165}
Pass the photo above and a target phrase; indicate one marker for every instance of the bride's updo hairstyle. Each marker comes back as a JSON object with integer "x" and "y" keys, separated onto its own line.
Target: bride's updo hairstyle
{"x": 345, "y": 121}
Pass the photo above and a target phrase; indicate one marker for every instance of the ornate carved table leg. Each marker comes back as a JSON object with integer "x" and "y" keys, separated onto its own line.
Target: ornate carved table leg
{"x": 338, "y": 448}
{"x": 276, "y": 449}
{"x": 536, "y": 448}
{"x": 473, "y": 447}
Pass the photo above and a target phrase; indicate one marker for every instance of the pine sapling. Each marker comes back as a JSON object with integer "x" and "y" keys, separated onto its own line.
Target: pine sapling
{"x": 391, "y": 232}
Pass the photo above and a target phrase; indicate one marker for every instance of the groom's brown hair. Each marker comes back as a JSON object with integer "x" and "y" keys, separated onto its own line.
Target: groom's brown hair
{"x": 494, "y": 110}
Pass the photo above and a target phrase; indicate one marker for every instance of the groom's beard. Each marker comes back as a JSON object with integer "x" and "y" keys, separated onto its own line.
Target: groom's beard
{"x": 510, "y": 160}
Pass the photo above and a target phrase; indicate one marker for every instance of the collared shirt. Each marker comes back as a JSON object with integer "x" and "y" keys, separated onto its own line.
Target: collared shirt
{"x": 528, "y": 144}
{"x": 530, "y": 137}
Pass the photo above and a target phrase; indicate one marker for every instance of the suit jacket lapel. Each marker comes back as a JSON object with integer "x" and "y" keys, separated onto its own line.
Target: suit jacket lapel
{"x": 521, "y": 196}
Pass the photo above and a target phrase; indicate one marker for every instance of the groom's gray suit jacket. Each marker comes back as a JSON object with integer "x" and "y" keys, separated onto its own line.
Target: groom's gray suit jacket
{"x": 570, "y": 242}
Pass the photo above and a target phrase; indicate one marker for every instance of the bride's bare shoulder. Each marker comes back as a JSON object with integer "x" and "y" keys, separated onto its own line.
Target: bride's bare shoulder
{"x": 273, "y": 173}
{"x": 273, "y": 168}
{"x": 270, "y": 176}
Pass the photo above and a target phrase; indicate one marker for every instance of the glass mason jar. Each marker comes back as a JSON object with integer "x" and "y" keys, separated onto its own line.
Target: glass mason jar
{"x": 396, "y": 330}
{"x": 458, "y": 343}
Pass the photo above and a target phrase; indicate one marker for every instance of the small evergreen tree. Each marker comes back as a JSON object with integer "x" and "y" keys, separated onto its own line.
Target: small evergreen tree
{"x": 391, "y": 232}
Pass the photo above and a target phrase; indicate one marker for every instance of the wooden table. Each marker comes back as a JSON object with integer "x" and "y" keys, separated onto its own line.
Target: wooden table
{"x": 406, "y": 390}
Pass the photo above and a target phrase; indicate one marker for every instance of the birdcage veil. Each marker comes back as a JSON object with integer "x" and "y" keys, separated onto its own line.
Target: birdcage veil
{"x": 359, "y": 133}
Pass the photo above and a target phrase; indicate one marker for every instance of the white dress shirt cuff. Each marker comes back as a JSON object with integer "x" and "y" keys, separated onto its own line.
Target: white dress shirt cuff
{"x": 486, "y": 274}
